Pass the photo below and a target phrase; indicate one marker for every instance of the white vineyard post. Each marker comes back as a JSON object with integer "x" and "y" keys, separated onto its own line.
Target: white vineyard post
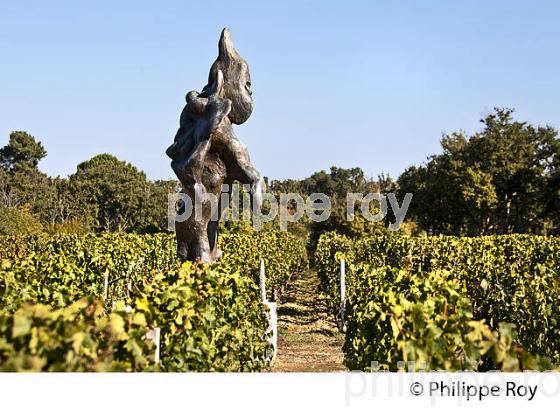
{"x": 106, "y": 287}
{"x": 273, "y": 326}
{"x": 272, "y": 313}
{"x": 262, "y": 282}
{"x": 342, "y": 294}
{"x": 154, "y": 336}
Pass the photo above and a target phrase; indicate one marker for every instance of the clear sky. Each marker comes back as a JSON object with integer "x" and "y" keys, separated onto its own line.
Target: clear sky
{"x": 347, "y": 83}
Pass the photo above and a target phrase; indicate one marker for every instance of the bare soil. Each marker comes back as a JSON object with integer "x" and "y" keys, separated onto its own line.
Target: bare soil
{"x": 308, "y": 340}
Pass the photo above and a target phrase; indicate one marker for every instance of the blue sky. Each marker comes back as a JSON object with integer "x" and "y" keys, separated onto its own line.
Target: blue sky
{"x": 353, "y": 83}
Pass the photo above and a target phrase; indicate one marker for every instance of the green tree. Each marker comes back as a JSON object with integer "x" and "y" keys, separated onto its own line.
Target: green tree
{"x": 114, "y": 194}
{"x": 18, "y": 221}
{"x": 21, "y": 181}
{"x": 496, "y": 181}
{"x": 156, "y": 215}
{"x": 336, "y": 184}
{"x": 22, "y": 151}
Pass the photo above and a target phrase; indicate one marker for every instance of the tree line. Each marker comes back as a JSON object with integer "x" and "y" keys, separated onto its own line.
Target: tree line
{"x": 503, "y": 179}
{"x": 104, "y": 194}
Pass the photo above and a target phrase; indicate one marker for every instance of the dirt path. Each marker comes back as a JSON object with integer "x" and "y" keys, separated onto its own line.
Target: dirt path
{"x": 308, "y": 339}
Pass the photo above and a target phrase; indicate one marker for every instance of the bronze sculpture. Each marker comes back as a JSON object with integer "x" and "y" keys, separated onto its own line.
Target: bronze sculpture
{"x": 206, "y": 155}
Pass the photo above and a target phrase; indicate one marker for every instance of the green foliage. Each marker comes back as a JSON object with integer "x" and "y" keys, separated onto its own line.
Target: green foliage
{"x": 506, "y": 279}
{"x": 397, "y": 316}
{"x": 283, "y": 254}
{"x": 336, "y": 184}
{"x": 331, "y": 248}
{"x": 78, "y": 338}
{"x": 70, "y": 226}
{"x": 155, "y": 218}
{"x": 60, "y": 269}
{"x": 104, "y": 193}
{"x": 18, "y": 221}
{"x": 211, "y": 316}
{"x": 22, "y": 185}
{"x": 22, "y": 151}
{"x": 499, "y": 181}
{"x": 115, "y": 194}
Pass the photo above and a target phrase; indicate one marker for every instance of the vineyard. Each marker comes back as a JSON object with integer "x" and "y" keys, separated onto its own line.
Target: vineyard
{"x": 87, "y": 302}
{"x": 92, "y": 302}
{"x": 449, "y": 303}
